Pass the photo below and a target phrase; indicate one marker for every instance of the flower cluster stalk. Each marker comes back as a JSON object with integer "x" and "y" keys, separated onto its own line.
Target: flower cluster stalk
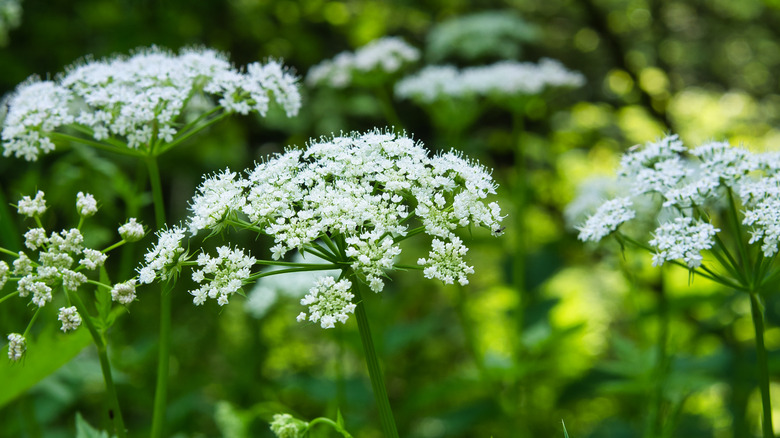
{"x": 386, "y": 418}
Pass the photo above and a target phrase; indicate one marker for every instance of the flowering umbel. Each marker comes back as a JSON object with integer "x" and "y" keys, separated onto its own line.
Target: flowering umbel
{"x": 139, "y": 101}
{"x": 349, "y": 200}
{"x": 699, "y": 194}
{"x": 52, "y": 262}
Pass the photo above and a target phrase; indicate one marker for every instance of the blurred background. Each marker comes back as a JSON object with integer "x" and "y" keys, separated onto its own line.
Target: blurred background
{"x": 588, "y": 335}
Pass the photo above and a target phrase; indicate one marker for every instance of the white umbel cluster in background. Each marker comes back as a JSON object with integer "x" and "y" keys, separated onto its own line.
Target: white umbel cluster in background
{"x": 502, "y": 79}
{"x": 386, "y": 55}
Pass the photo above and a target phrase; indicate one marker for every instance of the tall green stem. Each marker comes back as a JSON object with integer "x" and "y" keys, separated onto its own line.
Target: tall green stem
{"x": 374, "y": 371}
{"x": 763, "y": 367}
{"x": 105, "y": 365}
{"x": 164, "y": 349}
{"x": 157, "y": 195}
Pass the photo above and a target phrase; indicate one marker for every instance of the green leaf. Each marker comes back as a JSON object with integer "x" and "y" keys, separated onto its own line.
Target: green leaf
{"x": 85, "y": 430}
{"x": 565, "y": 433}
{"x": 45, "y": 355}
{"x": 339, "y": 418}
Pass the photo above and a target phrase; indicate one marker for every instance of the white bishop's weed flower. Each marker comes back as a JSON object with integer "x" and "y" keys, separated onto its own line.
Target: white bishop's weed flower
{"x": 135, "y": 105}
{"x": 714, "y": 205}
{"x": 366, "y": 66}
{"x": 499, "y": 81}
{"x": 350, "y": 201}
{"x": 54, "y": 262}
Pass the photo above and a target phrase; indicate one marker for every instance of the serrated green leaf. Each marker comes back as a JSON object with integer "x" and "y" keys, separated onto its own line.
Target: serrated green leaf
{"x": 45, "y": 355}
{"x": 85, "y": 430}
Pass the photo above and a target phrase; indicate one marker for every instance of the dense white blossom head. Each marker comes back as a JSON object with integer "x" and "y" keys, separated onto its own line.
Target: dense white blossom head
{"x": 86, "y": 204}
{"x": 386, "y": 56}
{"x": 131, "y": 231}
{"x": 139, "y": 99}
{"x": 221, "y": 276}
{"x": 70, "y": 318}
{"x": 162, "y": 259}
{"x": 364, "y": 187}
{"x": 123, "y": 293}
{"x": 32, "y": 206}
{"x": 367, "y": 191}
{"x": 329, "y": 301}
{"x": 17, "y": 345}
{"x": 500, "y": 81}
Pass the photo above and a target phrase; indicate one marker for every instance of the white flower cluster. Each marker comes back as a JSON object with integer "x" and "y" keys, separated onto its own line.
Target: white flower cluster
{"x": 86, "y": 205}
{"x": 17, "y": 345}
{"x": 385, "y": 55}
{"x": 362, "y": 195}
{"x": 57, "y": 254}
{"x": 607, "y": 219}
{"x": 287, "y": 426}
{"x": 329, "y": 302}
{"x": 32, "y": 207}
{"x": 163, "y": 258}
{"x": 683, "y": 239}
{"x": 70, "y": 318}
{"x": 500, "y": 80}
{"x": 124, "y": 293}
{"x": 228, "y": 271}
{"x": 689, "y": 186}
{"x": 363, "y": 187}
{"x": 139, "y": 99}
{"x": 132, "y": 231}
{"x": 488, "y": 33}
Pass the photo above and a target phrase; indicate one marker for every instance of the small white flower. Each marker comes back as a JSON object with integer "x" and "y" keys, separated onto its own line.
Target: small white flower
{"x": 124, "y": 293}
{"x": 683, "y": 239}
{"x": 227, "y": 273}
{"x": 35, "y": 238}
{"x": 131, "y": 231}
{"x": 32, "y": 207}
{"x": 86, "y": 204}
{"x": 70, "y": 318}
{"x": 162, "y": 259}
{"x": 445, "y": 262}
{"x": 17, "y": 345}
{"x": 93, "y": 259}
{"x": 329, "y": 302}
{"x": 3, "y": 273}
{"x": 607, "y": 219}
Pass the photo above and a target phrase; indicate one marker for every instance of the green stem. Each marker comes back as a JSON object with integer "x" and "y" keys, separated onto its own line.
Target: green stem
{"x": 330, "y": 423}
{"x": 763, "y": 366}
{"x": 372, "y": 362}
{"x": 176, "y": 141}
{"x": 99, "y": 340}
{"x": 164, "y": 349}
{"x": 157, "y": 195}
{"x": 163, "y": 358}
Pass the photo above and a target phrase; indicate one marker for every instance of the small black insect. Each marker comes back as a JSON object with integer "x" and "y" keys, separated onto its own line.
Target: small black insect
{"x": 111, "y": 414}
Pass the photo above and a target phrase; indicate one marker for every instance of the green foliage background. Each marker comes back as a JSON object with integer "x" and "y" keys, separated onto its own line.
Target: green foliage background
{"x": 591, "y": 319}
